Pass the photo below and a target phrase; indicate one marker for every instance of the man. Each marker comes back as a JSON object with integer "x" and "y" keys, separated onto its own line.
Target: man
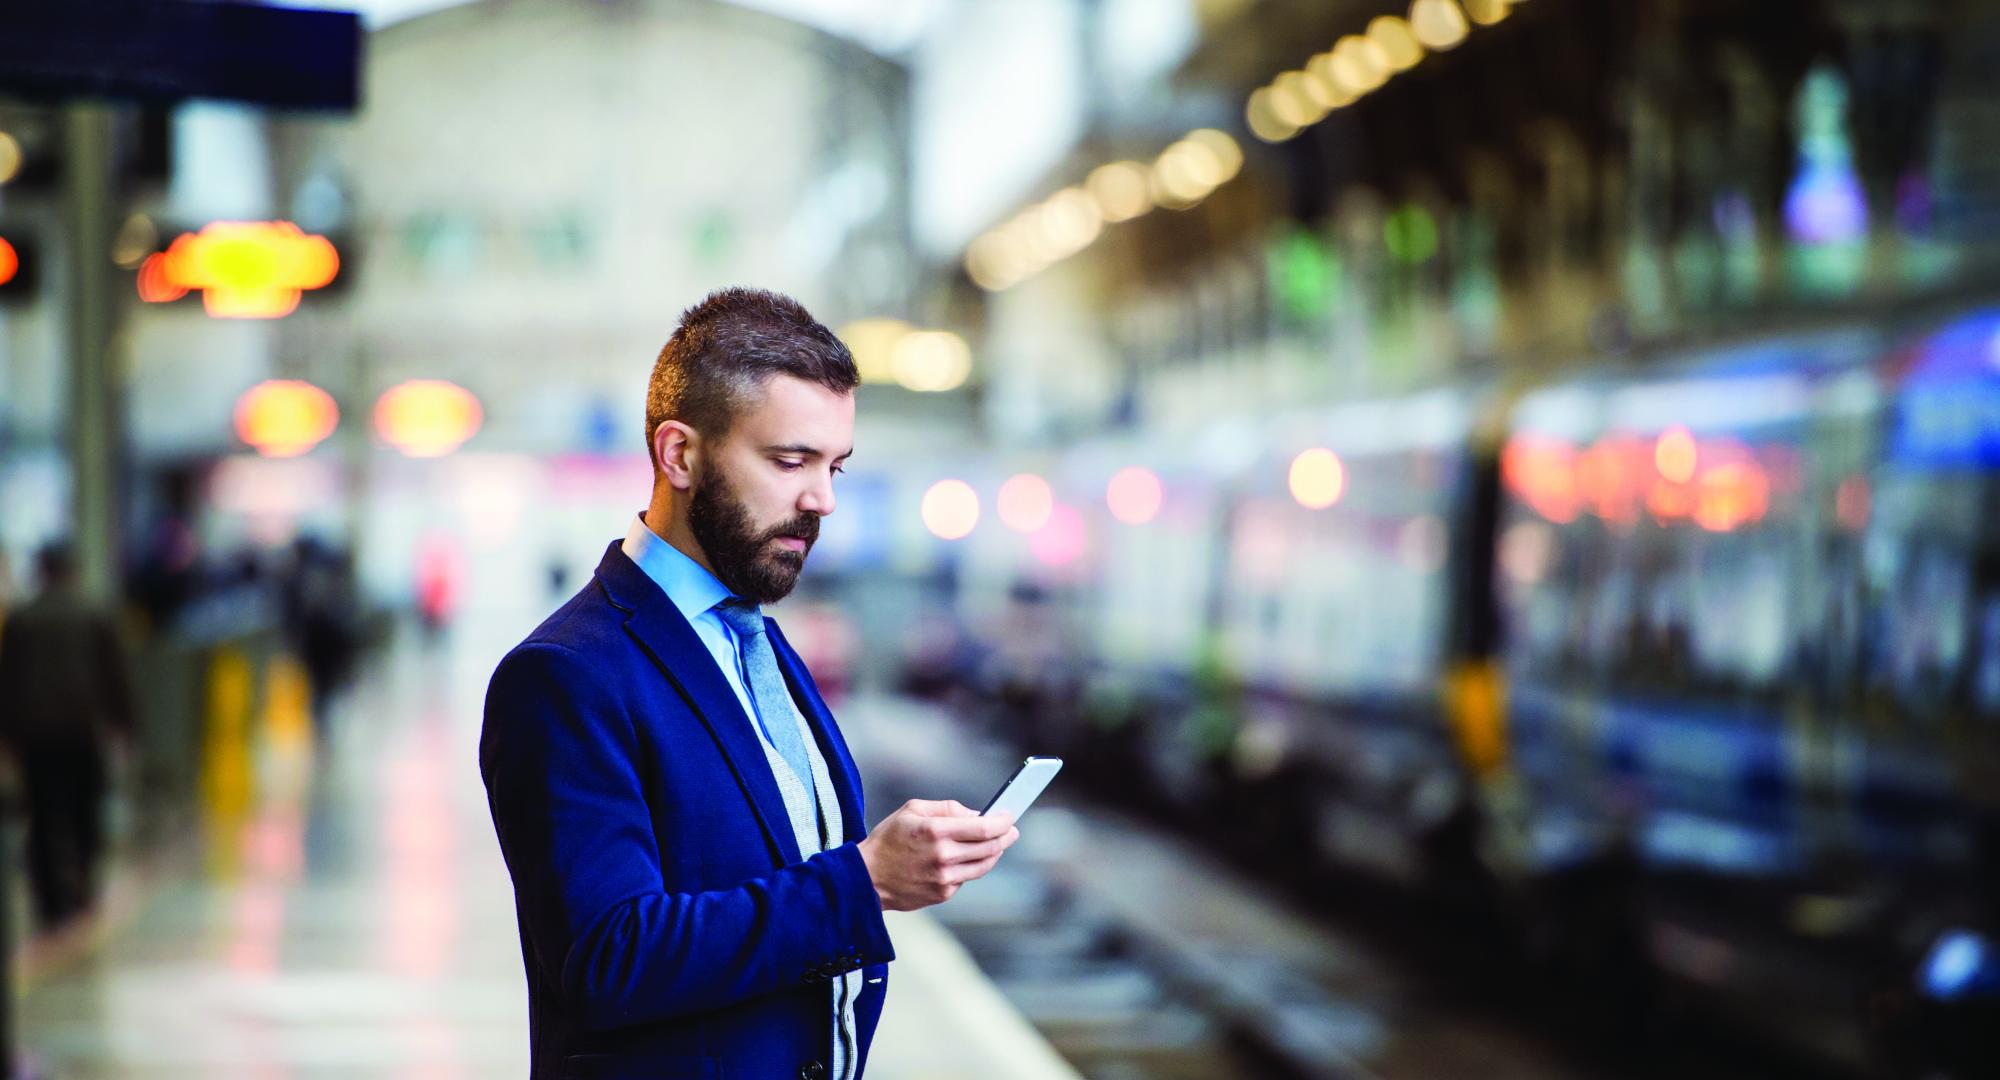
{"x": 677, "y": 808}
{"x": 64, "y": 696}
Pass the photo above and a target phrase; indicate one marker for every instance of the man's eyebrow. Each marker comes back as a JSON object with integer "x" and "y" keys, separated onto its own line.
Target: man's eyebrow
{"x": 804, "y": 451}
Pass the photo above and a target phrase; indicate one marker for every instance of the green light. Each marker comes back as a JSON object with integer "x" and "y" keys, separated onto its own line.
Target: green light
{"x": 1411, "y": 234}
{"x": 1304, "y": 274}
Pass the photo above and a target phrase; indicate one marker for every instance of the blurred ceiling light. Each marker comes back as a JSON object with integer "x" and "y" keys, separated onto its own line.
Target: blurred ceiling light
{"x": 1369, "y": 60}
{"x": 1438, "y": 24}
{"x": 1025, "y": 502}
{"x": 1120, "y": 189}
{"x": 136, "y": 239}
{"x": 1263, "y": 119}
{"x": 1676, "y": 456}
{"x": 250, "y": 269}
{"x": 1134, "y": 495}
{"x": 1324, "y": 86}
{"x": 10, "y": 157}
{"x": 154, "y": 285}
{"x": 1225, "y": 149}
{"x": 991, "y": 263}
{"x": 285, "y": 417}
{"x": 1486, "y": 12}
{"x": 950, "y": 509}
{"x": 1398, "y": 43}
{"x": 1317, "y": 478}
{"x": 873, "y": 343}
{"x": 427, "y": 418}
{"x": 1187, "y": 172}
{"x": 1070, "y": 220}
{"x": 1291, "y": 103}
{"x": 930, "y": 361}
{"x": 10, "y": 261}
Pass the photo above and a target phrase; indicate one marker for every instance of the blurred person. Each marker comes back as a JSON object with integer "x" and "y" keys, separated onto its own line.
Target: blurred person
{"x": 322, "y": 620}
{"x": 677, "y": 808}
{"x": 64, "y": 698}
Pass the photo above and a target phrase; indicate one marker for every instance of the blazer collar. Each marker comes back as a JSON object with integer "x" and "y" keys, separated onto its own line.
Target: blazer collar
{"x": 663, "y": 632}
{"x": 668, "y": 638}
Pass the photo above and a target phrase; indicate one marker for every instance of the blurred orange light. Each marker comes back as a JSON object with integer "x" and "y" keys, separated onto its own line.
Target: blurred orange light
{"x": 1062, "y": 540}
{"x": 285, "y": 417}
{"x": 1676, "y": 455}
{"x": 10, "y": 261}
{"x": 249, "y": 269}
{"x": 1134, "y": 495}
{"x": 1024, "y": 503}
{"x": 154, "y": 288}
{"x": 1607, "y": 478}
{"x": 1542, "y": 472}
{"x": 1317, "y": 478}
{"x": 1732, "y": 496}
{"x": 950, "y": 509}
{"x": 427, "y": 417}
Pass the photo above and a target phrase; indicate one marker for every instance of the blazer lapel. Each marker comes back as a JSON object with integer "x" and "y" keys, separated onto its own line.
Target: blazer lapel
{"x": 665, "y": 635}
{"x": 846, "y": 779}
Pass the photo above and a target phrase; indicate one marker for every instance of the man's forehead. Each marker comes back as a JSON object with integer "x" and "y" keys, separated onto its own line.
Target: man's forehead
{"x": 797, "y": 413}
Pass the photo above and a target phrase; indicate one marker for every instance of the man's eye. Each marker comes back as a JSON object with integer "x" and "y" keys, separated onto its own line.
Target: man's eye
{"x": 837, "y": 470}
{"x": 790, "y": 466}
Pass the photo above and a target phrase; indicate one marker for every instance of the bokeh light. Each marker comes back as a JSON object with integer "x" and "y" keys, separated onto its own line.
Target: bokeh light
{"x": 1317, "y": 478}
{"x": 427, "y": 418}
{"x": 1675, "y": 455}
{"x": 950, "y": 509}
{"x": 930, "y": 361}
{"x": 1024, "y": 502}
{"x": 285, "y": 417}
{"x": 1061, "y": 541}
{"x": 1438, "y": 24}
{"x": 1134, "y": 495}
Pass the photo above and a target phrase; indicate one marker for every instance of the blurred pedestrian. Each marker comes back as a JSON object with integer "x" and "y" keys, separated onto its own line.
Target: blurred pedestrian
{"x": 64, "y": 699}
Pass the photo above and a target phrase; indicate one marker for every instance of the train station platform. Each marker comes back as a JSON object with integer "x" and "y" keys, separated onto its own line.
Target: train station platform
{"x": 337, "y": 906}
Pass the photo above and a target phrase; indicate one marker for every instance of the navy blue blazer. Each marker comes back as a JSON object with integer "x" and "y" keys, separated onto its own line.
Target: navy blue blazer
{"x": 668, "y": 925}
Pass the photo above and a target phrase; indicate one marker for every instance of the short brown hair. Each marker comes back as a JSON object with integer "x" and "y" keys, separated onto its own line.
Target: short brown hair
{"x": 724, "y": 350}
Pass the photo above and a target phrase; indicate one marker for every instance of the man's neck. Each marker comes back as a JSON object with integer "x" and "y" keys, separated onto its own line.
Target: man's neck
{"x": 673, "y": 528}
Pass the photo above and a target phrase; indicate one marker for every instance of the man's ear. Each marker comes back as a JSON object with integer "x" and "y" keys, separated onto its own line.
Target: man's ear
{"x": 676, "y": 453}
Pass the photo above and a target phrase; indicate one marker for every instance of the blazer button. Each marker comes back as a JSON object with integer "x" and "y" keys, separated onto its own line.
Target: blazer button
{"x": 812, "y": 1070}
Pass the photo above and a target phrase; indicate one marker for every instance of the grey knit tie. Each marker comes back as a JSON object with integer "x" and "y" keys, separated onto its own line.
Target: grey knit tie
{"x": 775, "y": 712}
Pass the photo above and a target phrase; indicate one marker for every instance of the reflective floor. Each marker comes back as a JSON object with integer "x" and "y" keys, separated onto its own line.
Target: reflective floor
{"x": 337, "y": 907}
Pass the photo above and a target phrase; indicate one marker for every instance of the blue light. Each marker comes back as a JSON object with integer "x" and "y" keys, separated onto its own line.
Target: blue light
{"x": 1959, "y": 965}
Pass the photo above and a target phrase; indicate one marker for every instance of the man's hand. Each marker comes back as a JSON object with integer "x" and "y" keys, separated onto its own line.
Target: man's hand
{"x": 922, "y": 853}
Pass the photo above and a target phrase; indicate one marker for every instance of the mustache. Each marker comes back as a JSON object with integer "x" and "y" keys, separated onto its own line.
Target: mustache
{"x": 804, "y": 527}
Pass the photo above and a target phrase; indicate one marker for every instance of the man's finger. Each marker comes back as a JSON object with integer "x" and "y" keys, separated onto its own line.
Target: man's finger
{"x": 954, "y": 853}
{"x": 932, "y": 807}
{"x": 972, "y": 871}
{"x": 972, "y": 830}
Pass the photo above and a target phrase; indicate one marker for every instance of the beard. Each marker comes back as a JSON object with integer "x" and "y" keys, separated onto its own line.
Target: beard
{"x": 746, "y": 558}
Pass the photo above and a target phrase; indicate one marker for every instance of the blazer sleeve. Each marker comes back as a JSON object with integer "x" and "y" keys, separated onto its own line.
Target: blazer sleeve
{"x": 558, "y": 756}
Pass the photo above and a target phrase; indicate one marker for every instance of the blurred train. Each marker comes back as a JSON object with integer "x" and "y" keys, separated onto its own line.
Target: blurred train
{"x": 1689, "y": 672}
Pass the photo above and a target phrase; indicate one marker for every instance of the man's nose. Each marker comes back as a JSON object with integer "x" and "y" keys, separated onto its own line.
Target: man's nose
{"x": 818, "y": 498}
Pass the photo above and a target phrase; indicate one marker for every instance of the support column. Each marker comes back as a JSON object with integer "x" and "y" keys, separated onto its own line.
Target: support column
{"x": 95, "y": 427}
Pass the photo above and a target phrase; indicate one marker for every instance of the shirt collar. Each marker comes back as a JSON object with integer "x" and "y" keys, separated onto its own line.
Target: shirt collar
{"x": 689, "y": 585}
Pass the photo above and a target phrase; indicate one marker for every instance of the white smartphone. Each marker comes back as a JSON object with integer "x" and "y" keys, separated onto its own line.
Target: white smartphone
{"x": 1022, "y": 788}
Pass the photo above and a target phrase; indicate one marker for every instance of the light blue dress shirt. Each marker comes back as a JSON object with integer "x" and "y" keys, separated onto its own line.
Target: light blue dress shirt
{"x": 695, "y": 592}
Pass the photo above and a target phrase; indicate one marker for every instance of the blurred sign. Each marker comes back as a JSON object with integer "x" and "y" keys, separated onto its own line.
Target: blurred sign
{"x": 243, "y": 269}
{"x": 169, "y": 50}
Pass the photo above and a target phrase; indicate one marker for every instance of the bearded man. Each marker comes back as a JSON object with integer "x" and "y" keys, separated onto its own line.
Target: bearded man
{"x": 695, "y": 891}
